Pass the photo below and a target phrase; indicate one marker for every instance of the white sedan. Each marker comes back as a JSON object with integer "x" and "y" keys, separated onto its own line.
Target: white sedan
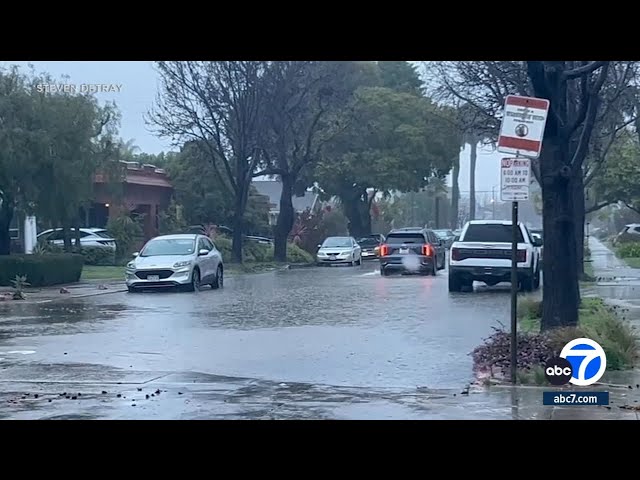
{"x": 339, "y": 250}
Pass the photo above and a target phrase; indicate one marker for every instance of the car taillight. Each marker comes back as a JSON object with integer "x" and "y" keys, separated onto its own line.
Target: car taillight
{"x": 522, "y": 256}
{"x": 384, "y": 250}
{"x": 427, "y": 251}
{"x": 455, "y": 254}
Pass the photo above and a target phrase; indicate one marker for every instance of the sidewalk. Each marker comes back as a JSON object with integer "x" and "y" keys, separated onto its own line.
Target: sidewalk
{"x": 84, "y": 289}
{"x": 608, "y": 267}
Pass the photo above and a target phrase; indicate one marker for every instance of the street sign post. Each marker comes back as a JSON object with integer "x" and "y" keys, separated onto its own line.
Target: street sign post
{"x": 515, "y": 178}
{"x": 521, "y": 135}
{"x": 522, "y": 126}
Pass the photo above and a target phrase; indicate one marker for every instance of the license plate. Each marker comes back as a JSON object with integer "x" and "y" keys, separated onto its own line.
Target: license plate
{"x": 153, "y": 278}
{"x": 333, "y": 258}
{"x": 404, "y": 250}
{"x": 366, "y": 254}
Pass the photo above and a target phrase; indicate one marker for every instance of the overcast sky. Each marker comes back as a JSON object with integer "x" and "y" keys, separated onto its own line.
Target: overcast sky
{"x": 139, "y": 87}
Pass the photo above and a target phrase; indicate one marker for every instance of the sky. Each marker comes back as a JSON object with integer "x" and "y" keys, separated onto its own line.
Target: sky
{"x": 139, "y": 83}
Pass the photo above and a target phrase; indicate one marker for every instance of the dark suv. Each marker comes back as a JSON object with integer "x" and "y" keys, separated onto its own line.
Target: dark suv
{"x": 412, "y": 250}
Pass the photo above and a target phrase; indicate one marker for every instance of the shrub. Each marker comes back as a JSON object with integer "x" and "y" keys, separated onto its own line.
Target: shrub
{"x": 587, "y": 250}
{"x": 126, "y": 231}
{"x": 98, "y": 256}
{"x": 258, "y": 252}
{"x": 624, "y": 238}
{"x": 41, "y": 270}
{"x": 628, "y": 250}
{"x": 598, "y": 321}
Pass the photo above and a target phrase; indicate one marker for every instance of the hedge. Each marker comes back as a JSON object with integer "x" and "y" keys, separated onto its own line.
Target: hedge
{"x": 41, "y": 270}
{"x": 259, "y": 252}
{"x": 98, "y": 256}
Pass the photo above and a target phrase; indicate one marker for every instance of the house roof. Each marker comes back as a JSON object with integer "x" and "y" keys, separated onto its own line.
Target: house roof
{"x": 273, "y": 190}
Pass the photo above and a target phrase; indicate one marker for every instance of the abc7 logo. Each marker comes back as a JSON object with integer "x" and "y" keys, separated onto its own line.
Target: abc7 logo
{"x": 582, "y": 362}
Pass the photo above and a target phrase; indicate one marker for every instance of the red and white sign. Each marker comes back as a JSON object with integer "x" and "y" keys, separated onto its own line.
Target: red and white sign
{"x": 523, "y": 126}
{"x": 515, "y": 178}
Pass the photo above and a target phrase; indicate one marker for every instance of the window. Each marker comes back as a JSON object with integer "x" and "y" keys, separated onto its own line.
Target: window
{"x": 208, "y": 244}
{"x": 490, "y": 233}
{"x": 202, "y": 245}
{"x": 405, "y": 238}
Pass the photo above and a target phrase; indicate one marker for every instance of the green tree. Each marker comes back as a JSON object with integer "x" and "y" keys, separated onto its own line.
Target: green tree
{"x": 619, "y": 179}
{"x": 78, "y": 136}
{"x": 300, "y": 116}
{"x": 203, "y": 199}
{"x": 393, "y": 142}
{"x": 18, "y": 148}
{"x": 400, "y": 76}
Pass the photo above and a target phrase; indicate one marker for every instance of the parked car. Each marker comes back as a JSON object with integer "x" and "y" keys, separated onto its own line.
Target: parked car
{"x": 371, "y": 245}
{"x": 630, "y": 233}
{"x": 483, "y": 254}
{"x": 187, "y": 260}
{"x": 447, "y": 236}
{"x": 337, "y": 250}
{"x": 89, "y": 237}
{"x": 201, "y": 230}
{"x": 412, "y": 249}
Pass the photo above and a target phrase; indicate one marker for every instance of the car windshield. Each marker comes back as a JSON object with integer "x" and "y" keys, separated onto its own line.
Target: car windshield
{"x": 405, "y": 238}
{"x": 492, "y": 232}
{"x": 368, "y": 242}
{"x": 102, "y": 233}
{"x": 443, "y": 233}
{"x": 182, "y": 246}
{"x": 337, "y": 242}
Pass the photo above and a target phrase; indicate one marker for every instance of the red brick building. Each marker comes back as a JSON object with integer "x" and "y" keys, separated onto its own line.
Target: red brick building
{"x": 146, "y": 190}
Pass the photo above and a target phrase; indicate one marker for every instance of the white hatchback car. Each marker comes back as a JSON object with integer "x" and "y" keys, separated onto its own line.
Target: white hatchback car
{"x": 187, "y": 260}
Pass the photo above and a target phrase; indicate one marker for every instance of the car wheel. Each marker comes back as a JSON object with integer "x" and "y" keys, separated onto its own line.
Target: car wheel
{"x": 454, "y": 283}
{"x": 359, "y": 262}
{"x": 131, "y": 290}
{"x": 536, "y": 280}
{"x": 219, "y": 280}
{"x": 383, "y": 272}
{"x": 194, "y": 286}
{"x": 434, "y": 267}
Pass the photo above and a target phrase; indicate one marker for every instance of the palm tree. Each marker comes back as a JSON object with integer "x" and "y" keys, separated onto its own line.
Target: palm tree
{"x": 128, "y": 149}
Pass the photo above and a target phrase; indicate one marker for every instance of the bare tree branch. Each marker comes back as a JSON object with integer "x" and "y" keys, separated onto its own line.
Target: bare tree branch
{"x": 583, "y": 70}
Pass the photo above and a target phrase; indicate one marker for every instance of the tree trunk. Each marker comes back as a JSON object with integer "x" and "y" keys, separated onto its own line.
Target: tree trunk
{"x": 455, "y": 194}
{"x": 66, "y": 235}
{"x": 6, "y": 216}
{"x": 356, "y": 209}
{"x": 286, "y": 218}
{"x": 560, "y": 288}
{"x": 579, "y": 211}
{"x": 473, "y": 156}
{"x": 77, "y": 244}
{"x": 241, "y": 195}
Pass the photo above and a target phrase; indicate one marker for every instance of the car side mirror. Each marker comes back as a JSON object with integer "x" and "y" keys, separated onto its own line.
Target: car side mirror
{"x": 456, "y": 238}
{"x": 538, "y": 242}
{"x": 319, "y": 246}
{"x": 135, "y": 254}
{"x": 203, "y": 252}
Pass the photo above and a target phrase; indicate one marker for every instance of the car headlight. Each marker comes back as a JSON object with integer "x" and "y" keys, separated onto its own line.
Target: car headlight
{"x": 131, "y": 265}
{"x": 182, "y": 264}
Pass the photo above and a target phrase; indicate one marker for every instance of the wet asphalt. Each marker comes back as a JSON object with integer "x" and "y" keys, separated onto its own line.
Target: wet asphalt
{"x": 332, "y": 333}
{"x": 342, "y": 326}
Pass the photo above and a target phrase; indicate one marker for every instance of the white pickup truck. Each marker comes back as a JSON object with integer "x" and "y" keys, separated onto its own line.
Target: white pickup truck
{"x": 483, "y": 254}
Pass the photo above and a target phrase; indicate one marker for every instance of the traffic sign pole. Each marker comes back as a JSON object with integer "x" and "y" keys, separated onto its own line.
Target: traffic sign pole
{"x": 521, "y": 133}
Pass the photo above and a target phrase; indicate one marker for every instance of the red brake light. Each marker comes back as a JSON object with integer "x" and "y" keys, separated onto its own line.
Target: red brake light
{"x": 427, "y": 250}
{"x": 522, "y": 256}
{"x": 455, "y": 254}
{"x": 384, "y": 250}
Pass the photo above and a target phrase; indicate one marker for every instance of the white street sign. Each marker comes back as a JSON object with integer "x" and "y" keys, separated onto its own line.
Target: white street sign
{"x": 515, "y": 178}
{"x": 523, "y": 125}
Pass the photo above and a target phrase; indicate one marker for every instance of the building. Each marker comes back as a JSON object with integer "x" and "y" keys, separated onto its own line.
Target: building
{"x": 273, "y": 190}
{"x": 145, "y": 191}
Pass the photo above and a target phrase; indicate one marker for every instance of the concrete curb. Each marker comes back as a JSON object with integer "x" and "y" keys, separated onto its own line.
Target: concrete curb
{"x": 293, "y": 266}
